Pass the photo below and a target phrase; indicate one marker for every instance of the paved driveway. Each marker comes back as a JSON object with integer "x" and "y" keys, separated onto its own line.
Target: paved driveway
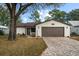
{"x": 61, "y": 46}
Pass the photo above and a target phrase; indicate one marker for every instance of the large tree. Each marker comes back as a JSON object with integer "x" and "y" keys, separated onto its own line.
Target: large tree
{"x": 4, "y": 15}
{"x": 56, "y": 5}
{"x": 16, "y": 9}
{"x": 47, "y": 18}
{"x": 14, "y": 15}
{"x": 73, "y": 15}
{"x": 58, "y": 15}
{"x": 35, "y": 16}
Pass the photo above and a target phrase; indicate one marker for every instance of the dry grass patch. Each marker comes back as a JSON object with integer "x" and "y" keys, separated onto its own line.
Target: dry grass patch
{"x": 23, "y": 46}
{"x": 75, "y": 38}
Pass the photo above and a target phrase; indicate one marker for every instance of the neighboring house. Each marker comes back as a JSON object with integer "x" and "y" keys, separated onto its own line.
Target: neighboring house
{"x": 74, "y": 27}
{"x": 49, "y": 28}
{"x": 4, "y": 29}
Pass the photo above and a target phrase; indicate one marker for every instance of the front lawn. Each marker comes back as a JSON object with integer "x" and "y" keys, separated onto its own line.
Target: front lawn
{"x": 23, "y": 46}
{"x": 75, "y": 37}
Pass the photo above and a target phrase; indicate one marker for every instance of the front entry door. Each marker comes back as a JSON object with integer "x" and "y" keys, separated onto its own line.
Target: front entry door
{"x": 28, "y": 31}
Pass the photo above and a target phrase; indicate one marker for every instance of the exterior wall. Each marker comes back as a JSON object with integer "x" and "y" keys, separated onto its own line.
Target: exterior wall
{"x": 6, "y": 31}
{"x": 20, "y": 30}
{"x": 75, "y": 29}
{"x": 38, "y": 31}
{"x": 52, "y": 24}
{"x": 67, "y": 31}
{"x": 26, "y": 31}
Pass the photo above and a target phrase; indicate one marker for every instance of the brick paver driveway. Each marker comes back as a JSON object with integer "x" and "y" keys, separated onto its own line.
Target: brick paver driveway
{"x": 61, "y": 46}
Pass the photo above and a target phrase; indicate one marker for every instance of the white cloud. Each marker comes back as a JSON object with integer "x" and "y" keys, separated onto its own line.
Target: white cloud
{"x": 40, "y": 12}
{"x": 47, "y": 15}
{"x": 43, "y": 14}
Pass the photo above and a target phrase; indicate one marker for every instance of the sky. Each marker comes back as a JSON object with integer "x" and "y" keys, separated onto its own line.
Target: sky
{"x": 43, "y": 13}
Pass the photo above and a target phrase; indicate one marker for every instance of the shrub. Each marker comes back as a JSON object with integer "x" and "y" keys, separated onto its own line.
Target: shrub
{"x": 74, "y": 34}
{"x": 1, "y": 32}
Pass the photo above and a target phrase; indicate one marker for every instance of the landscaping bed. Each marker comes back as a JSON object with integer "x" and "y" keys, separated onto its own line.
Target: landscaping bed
{"x": 23, "y": 46}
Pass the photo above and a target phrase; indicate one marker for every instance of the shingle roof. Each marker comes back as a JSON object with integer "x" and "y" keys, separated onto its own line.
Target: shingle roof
{"x": 74, "y": 23}
{"x": 29, "y": 24}
{"x": 56, "y": 21}
{"x": 3, "y": 26}
{"x": 33, "y": 24}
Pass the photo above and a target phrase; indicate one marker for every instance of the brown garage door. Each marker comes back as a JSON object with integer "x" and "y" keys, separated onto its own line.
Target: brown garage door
{"x": 53, "y": 31}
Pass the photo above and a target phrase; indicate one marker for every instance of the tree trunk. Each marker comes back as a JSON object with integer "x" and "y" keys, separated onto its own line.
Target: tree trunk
{"x": 12, "y": 30}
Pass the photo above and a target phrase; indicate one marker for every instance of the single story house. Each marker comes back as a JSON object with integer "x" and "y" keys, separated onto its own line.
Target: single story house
{"x": 49, "y": 28}
{"x": 26, "y": 28}
{"x": 5, "y": 29}
{"x": 74, "y": 27}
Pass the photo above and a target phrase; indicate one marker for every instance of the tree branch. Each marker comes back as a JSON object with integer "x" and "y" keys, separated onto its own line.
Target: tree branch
{"x": 22, "y": 8}
{"x": 9, "y": 7}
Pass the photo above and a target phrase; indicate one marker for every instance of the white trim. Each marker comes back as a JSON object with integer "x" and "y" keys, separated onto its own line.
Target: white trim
{"x": 51, "y": 20}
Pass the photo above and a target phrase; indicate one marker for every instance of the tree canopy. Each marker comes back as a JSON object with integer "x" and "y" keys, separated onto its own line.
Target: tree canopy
{"x": 73, "y": 15}
{"x": 62, "y": 15}
{"x": 57, "y": 15}
{"x": 35, "y": 17}
{"x": 4, "y": 15}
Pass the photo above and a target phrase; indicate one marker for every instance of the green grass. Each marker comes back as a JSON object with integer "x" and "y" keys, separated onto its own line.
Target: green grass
{"x": 23, "y": 46}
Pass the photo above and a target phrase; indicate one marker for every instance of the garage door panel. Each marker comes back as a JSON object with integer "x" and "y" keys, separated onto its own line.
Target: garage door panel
{"x": 52, "y": 31}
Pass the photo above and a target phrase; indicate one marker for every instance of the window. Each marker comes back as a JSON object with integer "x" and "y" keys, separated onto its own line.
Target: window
{"x": 32, "y": 29}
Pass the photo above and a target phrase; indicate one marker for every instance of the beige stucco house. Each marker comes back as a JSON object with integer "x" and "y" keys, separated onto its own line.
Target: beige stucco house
{"x": 52, "y": 28}
{"x": 49, "y": 28}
